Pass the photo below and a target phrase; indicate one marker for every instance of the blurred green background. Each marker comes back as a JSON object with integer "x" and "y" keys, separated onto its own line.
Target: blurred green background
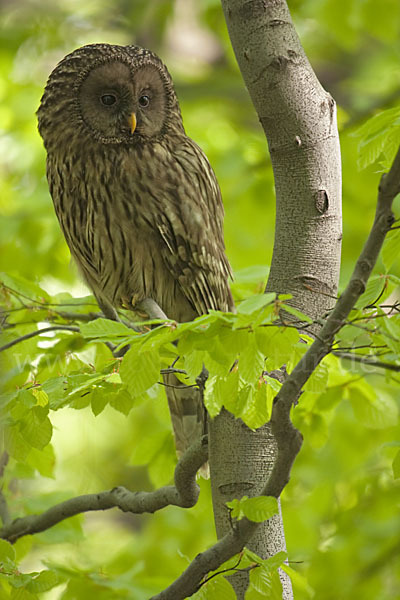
{"x": 341, "y": 506}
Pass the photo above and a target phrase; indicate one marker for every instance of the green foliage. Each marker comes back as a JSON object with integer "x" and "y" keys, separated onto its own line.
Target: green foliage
{"x": 76, "y": 419}
{"x": 258, "y": 509}
{"x": 23, "y": 586}
{"x": 379, "y": 136}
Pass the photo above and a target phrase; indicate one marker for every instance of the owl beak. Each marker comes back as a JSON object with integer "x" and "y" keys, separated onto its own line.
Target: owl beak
{"x": 132, "y": 122}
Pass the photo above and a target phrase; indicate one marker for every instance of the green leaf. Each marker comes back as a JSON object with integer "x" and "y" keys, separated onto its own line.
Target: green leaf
{"x": 373, "y": 291}
{"x": 212, "y": 400}
{"x": 260, "y": 508}
{"x": 42, "y": 460}
{"x": 299, "y": 582}
{"x": 37, "y": 428}
{"x": 140, "y": 370}
{"x": 277, "y": 344}
{"x": 251, "y": 361}
{"x": 44, "y": 581}
{"x": 99, "y": 399}
{"x": 106, "y": 329}
{"x": 372, "y": 410}
{"x": 24, "y": 287}
{"x": 123, "y": 402}
{"x": 194, "y": 361}
{"x": 264, "y": 585}
{"x": 226, "y": 390}
{"x": 6, "y": 551}
{"x": 217, "y": 588}
{"x": 256, "y": 404}
{"x": 376, "y": 136}
{"x": 317, "y": 382}
{"x": 391, "y": 249}
{"x": 254, "y": 303}
{"x": 15, "y": 444}
{"x": 296, "y": 313}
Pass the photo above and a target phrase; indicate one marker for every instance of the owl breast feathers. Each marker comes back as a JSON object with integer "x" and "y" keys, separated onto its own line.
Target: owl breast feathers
{"x": 137, "y": 200}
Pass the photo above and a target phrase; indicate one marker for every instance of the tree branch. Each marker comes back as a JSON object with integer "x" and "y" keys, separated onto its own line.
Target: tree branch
{"x": 32, "y": 334}
{"x": 184, "y": 493}
{"x": 288, "y": 438}
{"x": 389, "y": 187}
{"x": 367, "y": 360}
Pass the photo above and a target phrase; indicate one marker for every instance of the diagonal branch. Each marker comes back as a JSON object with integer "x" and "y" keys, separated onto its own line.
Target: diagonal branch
{"x": 367, "y": 360}
{"x": 184, "y": 493}
{"x": 32, "y": 334}
{"x": 288, "y": 438}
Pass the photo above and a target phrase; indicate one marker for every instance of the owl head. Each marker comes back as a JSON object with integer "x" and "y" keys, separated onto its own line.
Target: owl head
{"x": 108, "y": 94}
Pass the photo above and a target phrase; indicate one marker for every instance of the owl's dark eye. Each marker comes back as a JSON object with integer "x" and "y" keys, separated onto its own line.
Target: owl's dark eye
{"x": 144, "y": 101}
{"x": 108, "y": 99}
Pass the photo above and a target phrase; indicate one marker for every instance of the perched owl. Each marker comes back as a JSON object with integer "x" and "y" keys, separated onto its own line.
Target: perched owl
{"x": 137, "y": 200}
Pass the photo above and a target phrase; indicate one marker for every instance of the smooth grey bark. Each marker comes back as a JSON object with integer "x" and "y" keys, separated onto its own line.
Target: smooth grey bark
{"x": 299, "y": 119}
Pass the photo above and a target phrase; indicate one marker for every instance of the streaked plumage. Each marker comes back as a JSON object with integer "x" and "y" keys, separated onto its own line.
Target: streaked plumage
{"x": 138, "y": 201}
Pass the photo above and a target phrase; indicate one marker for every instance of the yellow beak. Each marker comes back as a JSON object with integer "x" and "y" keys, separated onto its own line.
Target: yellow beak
{"x": 132, "y": 122}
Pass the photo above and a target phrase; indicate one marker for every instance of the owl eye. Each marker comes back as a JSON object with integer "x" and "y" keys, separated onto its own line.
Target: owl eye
{"x": 144, "y": 101}
{"x": 108, "y": 99}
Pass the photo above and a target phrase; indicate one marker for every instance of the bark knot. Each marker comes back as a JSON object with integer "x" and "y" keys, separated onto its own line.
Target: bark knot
{"x": 321, "y": 201}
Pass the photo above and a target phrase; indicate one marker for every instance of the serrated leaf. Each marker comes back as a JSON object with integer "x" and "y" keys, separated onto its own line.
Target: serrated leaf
{"x": 106, "y": 329}
{"x": 37, "y": 429}
{"x": 277, "y": 344}
{"x": 212, "y": 400}
{"x": 41, "y": 397}
{"x": 260, "y": 508}
{"x": 42, "y": 460}
{"x": 140, "y": 370}
{"x": 217, "y": 588}
{"x": 376, "y": 412}
{"x": 256, "y": 410}
{"x": 6, "y": 551}
{"x": 44, "y": 581}
{"x": 372, "y": 292}
{"x": 317, "y": 382}
{"x": 254, "y": 303}
{"x": 98, "y": 400}
{"x": 194, "y": 363}
{"x": 123, "y": 402}
{"x": 236, "y": 507}
{"x": 256, "y": 509}
{"x": 251, "y": 361}
{"x": 376, "y": 135}
{"x": 15, "y": 444}
{"x": 271, "y": 588}
{"x": 227, "y": 388}
{"x": 24, "y": 286}
{"x": 296, "y": 313}
{"x": 391, "y": 249}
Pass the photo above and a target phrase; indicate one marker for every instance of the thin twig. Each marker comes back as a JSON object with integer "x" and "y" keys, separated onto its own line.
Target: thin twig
{"x": 366, "y": 360}
{"x": 32, "y": 334}
{"x": 184, "y": 493}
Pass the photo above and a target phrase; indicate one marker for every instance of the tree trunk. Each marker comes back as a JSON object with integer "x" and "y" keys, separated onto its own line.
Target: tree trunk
{"x": 299, "y": 120}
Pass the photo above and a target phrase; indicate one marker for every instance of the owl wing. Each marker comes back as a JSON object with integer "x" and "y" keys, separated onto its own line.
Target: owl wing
{"x": 190, "y": 225}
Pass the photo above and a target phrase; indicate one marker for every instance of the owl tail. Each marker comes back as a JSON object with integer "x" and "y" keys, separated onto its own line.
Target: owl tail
{"x": 188, "y": 416}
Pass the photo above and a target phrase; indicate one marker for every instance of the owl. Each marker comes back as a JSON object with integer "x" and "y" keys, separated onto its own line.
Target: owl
{"x": 136, "y": 198}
